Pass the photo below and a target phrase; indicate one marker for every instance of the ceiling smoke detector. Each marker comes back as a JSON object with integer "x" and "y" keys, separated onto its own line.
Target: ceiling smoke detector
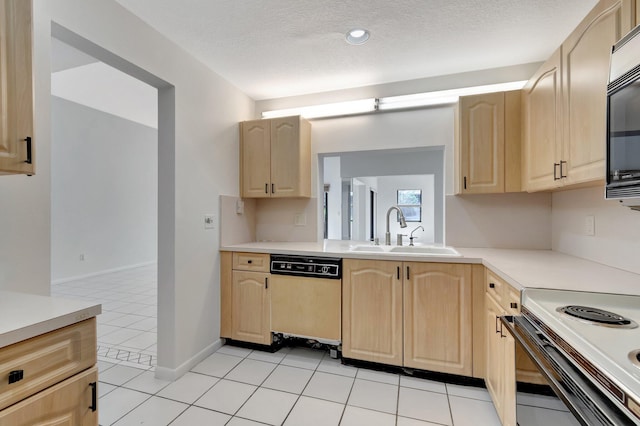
{"x": 357, "y": 36}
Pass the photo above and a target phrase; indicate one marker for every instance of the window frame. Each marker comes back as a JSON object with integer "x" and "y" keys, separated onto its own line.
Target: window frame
{"x": 403, "y": 206}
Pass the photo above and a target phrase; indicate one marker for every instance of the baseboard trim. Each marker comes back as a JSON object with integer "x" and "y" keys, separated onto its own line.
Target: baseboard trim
{"x": 164, "y": 373}
{"x": 103, "y": 272}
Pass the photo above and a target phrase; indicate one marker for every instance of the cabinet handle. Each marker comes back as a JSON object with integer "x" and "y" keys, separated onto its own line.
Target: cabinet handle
{"x": 492, "y": 285}
{"x": 555, "y": 175}
{"x": 266, "y": 188}
{"x": 497, "y": 329}
{"x": 398, "y": 272}
{"x": 465, "y": 182}
{"x": 249, "y": 261}
{"x": 514, "y": 305}
{"x": 273, "y": 191}
{"x": 562, "y": 175}
{"x": 16, "y": 376}
{"x": 408, "y": 275}
{"x": 29, "y": 158}
{"x": 266, "y": 282}
{"x": 94, "y": 396}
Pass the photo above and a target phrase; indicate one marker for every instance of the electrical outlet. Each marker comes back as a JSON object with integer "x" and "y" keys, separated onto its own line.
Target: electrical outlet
{"x": 209, "y": 221}
{"x": 300, "y": 219}
{"x": 590, "y": 225}
{"x": 81, "y": 257}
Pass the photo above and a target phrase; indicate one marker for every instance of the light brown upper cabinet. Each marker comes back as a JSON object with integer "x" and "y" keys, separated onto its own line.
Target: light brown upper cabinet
{"x": 17, "y": 151}
{"x": 585, "y": 72}
{"x": 542, "y": 126}
{"x": 564, "y": 103}
{"x": 488, "y": 143}
{"x": 275, "y": 158}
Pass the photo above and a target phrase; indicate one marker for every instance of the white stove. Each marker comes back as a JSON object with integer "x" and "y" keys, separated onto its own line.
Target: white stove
{"x": 604, "y": 350}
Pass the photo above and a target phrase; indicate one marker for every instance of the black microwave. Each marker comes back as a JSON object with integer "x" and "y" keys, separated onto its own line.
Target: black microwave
{"x": 623, "y": 121}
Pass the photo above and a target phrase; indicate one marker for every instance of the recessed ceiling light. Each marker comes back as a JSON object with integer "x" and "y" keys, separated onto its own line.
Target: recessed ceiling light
{"x": 357, "y": 36}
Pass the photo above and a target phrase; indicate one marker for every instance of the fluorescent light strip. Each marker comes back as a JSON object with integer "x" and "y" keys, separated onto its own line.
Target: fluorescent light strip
{"x": 443, "y": 96}
{"x": 326, "y": 110}
{"x": 416, "y": 100}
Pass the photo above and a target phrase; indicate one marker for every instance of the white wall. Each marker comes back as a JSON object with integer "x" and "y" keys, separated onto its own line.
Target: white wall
{"x": 617, "y": 229}
{"x": 517, "y": 220}
{"x": 387, "y": 196}
{"x": 104, "y": 191}
{"x": 333, "y": 179}
{"x": 207, "y": 112}
{"x": 104, "y": 88}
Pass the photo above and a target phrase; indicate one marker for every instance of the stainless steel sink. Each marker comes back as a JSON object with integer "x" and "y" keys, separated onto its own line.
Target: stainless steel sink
{"x": 429, "y": 250}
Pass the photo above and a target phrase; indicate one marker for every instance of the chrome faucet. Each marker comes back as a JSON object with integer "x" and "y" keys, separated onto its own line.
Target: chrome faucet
{"x": 403, "y": 224}
{"x": 411, "y": 238}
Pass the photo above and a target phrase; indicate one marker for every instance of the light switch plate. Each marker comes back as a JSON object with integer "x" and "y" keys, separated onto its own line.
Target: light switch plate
{"x": 209, "y": 221}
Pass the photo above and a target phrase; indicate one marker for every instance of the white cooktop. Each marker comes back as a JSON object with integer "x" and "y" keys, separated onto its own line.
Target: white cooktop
{"x": 605, "y": 347}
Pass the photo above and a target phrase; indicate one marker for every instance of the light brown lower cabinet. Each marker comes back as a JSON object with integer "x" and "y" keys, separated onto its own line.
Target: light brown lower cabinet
{"x": 409, "y": 314}
{"x": 251, "y": 307}
{"x": 500, "y": 364}
{"x": 437, "y": 317}
{"x": 372, "y": 311}
{"x": 245, "y": 304}
{"x": 72, "y": 402}
{"x": 51, "y": 379}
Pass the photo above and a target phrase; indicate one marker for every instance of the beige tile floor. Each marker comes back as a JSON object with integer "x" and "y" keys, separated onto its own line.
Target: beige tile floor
{"x": 242, "y": 387}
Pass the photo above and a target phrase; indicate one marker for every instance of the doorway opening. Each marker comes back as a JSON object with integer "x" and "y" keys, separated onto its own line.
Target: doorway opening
{"x": 112, "y": 167}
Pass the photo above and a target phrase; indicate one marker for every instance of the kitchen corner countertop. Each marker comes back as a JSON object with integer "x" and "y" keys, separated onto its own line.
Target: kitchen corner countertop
{"x": 23, "y": 315}
{"x": 520, "y": 268}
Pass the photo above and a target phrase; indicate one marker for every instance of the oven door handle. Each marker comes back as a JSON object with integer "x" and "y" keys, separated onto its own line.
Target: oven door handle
{"x": 571, "y": 386}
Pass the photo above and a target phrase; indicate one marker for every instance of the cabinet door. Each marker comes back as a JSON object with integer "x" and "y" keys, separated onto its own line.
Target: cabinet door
{"x": 66, "y": 404}
{"x": 630, "y": 15}
{"x": 482, "y": 143}
{"x": 16, "y": 87}
{"x": 437, "y": 317}
{"x": 372, "y": 311}
{"x": 508, "y": 377}
{"x": 494, "y": 355}
{"x": 290, "y": 157}
{"x": 585, "y": 72}
{"x": 542, "y": 130}
{"x": 255, "y": 163}
{"x": 251, "y": 307}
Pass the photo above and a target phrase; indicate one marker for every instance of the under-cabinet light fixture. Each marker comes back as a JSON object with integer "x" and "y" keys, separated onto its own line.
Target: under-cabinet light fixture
{"x": 417, "y": 100}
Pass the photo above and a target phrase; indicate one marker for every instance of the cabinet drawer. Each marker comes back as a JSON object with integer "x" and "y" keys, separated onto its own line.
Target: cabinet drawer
{"x": 496, "y": 288}
{"x": 258, "y": 262}
{"x": 46, "y": 360}
{"x": 512, "y": 300}
{"x": 72, "y": 402}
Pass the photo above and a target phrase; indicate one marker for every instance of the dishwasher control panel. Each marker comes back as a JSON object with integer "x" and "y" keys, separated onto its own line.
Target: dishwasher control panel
{"x": 307, "y": 266}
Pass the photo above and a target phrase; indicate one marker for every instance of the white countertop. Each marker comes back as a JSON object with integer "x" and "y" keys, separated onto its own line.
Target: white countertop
{"x": 520, "y": 268}
{"x": 23, "y": 316}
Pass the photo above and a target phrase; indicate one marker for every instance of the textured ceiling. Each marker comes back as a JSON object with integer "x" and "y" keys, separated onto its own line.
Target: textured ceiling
{"x": 278, "y": 48}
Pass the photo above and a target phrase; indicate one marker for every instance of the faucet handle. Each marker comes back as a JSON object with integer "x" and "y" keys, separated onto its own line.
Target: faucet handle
{"x": 411, "y": 240}
{"x": 399, "y": 238}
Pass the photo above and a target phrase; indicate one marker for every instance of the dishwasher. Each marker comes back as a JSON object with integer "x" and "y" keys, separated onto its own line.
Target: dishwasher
{"x": 306, "y": 294}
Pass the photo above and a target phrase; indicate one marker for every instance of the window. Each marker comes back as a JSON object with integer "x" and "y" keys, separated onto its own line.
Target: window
{"x": 410, "y": 202}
